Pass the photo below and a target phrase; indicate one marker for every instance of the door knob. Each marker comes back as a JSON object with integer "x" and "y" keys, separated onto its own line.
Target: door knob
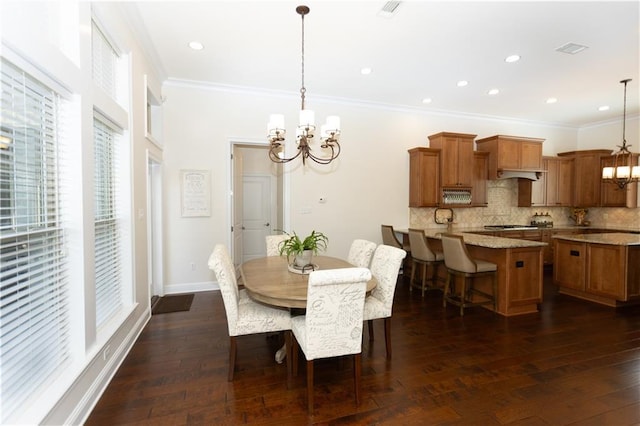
{"x": 267, "y": 224}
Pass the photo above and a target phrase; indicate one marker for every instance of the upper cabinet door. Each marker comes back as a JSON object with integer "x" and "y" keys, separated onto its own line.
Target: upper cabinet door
{"x": 456, "y": 158}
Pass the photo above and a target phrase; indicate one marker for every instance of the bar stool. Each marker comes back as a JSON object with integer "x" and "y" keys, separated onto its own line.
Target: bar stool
{"x": 389, "y": 239}
{"x": 421, "y": 254}
{"x": 460, "y": 264}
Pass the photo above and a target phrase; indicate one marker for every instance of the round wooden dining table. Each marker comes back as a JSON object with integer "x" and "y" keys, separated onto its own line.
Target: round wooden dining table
{"x": 270, "y": 280}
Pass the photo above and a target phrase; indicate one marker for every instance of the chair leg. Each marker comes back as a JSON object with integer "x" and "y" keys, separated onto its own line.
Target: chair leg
{"x": 387, "y": 336}
{"x": 413, "y": 276}
{"x": 232, "y": 357}
{"x": 447, "y": 289}
{"x": 370, "y": 327}
{"x": 294, "y": 355}
{"x": 424, "y": 276}
{"x": 463, "y": 295}
{"x": 287, "y": 342}
{"x": 434, "y": 275}
{"x": 310, "y": 386}
{"x": 357, "y": 374}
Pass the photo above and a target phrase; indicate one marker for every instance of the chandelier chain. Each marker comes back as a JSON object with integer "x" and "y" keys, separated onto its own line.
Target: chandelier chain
{"x": 303, "y": 90}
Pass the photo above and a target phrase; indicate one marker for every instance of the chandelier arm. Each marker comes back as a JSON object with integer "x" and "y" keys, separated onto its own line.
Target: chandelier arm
{"x": 326, "y": 160}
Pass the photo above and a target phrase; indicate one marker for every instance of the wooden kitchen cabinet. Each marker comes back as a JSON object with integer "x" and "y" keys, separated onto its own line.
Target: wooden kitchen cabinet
{"x": 587, "y": 176}
{"x": 511, "y": 154}
{"x": 479, "y": 187}
{"x": 569, "y": 264}
{"x": 613, "y": 196}
{"x": 424, "y": 177}
{"x": 606, "y": 271}
{"x": 601, "y": 269}
{"x": 559, "y": 181}
{"x": 553, "y": 188}
{"x": 456, "y": 156}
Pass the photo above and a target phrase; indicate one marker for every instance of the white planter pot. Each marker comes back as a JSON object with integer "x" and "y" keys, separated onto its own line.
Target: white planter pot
{"x": 303, "y": 259}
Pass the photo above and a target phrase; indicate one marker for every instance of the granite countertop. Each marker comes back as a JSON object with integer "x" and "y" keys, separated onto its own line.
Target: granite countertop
{"x": 612, "y": 238}
{"x": 487, "y": 241}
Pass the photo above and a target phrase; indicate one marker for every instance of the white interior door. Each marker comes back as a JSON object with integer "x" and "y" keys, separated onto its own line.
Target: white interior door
{"x": 256, "y": 215}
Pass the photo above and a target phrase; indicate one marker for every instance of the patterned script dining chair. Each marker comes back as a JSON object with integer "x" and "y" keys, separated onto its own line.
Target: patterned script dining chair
{"x": 332, "y": 325}
{"x": 360, "y": 253}
{"x": 244, "y": 316}
{"x": 273, "y": 243}
{"x": 379, "y": 304}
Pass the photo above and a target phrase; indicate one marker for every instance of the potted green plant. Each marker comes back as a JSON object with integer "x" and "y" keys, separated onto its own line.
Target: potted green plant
{"x": 303, "y": 249}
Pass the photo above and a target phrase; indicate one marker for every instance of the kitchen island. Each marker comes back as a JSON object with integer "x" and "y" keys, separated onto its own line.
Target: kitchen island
{"x": 602, "y": 268}
{"x": 520, "y": 268}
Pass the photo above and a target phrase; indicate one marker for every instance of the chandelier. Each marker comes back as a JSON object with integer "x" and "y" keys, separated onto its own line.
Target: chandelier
{"x": 329, "y": 132}
{"x": 625, "y": 169}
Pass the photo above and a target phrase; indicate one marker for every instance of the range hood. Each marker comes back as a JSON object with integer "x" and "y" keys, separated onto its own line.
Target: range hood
{"x": 520, "y": 174}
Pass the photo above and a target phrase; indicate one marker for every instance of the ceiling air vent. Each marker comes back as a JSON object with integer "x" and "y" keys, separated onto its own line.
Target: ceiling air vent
{"x": 571, "y": 48}
{"x": 389, "y": 9}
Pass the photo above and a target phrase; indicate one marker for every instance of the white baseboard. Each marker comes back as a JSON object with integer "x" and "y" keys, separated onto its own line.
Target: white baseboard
{"x": 191, "y": 287}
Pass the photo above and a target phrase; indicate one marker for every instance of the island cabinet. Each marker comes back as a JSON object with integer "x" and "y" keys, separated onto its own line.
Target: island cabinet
{"x": 587, "y": 176}
{"x": 602, "y": 268}
{"x": 456, "y": 157}
{"x": 613, "y": 196}
{"x": 520, "y": 269}
{"x": 424, "y": 177}
{"x": 511, "y": 154}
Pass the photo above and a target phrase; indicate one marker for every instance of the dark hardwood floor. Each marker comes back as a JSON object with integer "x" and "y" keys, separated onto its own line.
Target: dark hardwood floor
{"x": 575, "y": 362}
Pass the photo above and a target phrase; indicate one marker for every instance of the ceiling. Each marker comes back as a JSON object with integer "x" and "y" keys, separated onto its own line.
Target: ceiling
{"x": 421, "y": 51}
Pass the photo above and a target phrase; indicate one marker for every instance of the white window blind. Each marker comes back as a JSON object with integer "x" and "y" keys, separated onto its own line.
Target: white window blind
{"x": 108, "y": 238}
{"x": 104, "y": 62}
{"x": 34, "y": 314}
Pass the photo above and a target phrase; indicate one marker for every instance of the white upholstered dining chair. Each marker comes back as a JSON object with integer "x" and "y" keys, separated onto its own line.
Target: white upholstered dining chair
{"x": 379, "y": 304}
{"x": 360, "y": 253}
{"x": 273, "y": 244}
{"x": 244, "y": 316}
{"x": 332, "y": 325}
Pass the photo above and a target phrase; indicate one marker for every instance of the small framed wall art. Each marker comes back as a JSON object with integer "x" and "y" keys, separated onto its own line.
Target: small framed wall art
{"x": 196, "y": 193}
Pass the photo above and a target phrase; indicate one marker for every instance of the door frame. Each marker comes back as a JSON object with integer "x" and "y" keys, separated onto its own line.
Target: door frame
{"x": 247, "y": 142}
{"x": 155, "y": 255}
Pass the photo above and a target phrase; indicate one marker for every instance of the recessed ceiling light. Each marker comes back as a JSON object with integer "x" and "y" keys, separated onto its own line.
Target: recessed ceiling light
{"x": 604, "y": 108}
{"x": 512, "y": 58}
{"x": 493, "y": 92}
{"x": 365, "y": 71}
{"x": 552, "y": 100}
{"x": 426, "y": 101}
{"x": 196, "y": 45}
{"x": 462, "y": 83}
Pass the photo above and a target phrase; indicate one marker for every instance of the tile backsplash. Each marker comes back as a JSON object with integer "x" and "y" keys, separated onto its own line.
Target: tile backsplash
{"x": 503, "y": 209}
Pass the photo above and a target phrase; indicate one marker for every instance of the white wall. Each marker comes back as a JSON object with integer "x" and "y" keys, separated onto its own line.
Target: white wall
{"x": 365, "y": 187}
